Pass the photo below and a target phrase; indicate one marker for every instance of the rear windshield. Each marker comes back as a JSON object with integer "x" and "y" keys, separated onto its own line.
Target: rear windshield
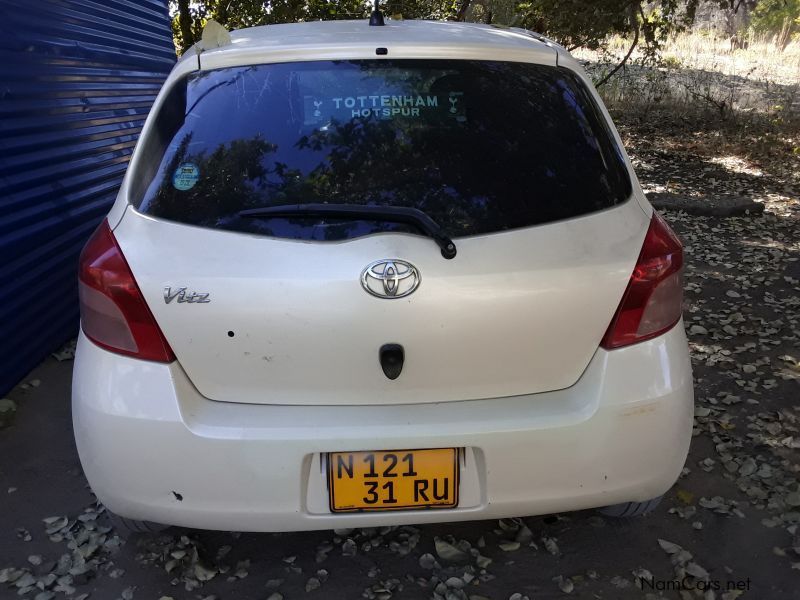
{"x": 479, "y": 146}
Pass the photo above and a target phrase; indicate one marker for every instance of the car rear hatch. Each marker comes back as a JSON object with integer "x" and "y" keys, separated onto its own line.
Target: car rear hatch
{"x": 288, "y": 322}
{"x": 514, "y": 161}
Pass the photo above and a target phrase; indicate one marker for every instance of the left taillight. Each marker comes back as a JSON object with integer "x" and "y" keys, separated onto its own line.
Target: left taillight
{"x": 114, "y": 314}
{"x": 652, "y": 303}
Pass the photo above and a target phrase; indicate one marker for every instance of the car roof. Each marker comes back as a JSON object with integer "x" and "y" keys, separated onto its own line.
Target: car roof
{"x": 414, "y": 31}
{"x": 332, "y": 40}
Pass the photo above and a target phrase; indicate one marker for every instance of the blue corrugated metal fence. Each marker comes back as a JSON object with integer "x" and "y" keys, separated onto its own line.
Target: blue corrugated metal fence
{"x": 76, "y": 81}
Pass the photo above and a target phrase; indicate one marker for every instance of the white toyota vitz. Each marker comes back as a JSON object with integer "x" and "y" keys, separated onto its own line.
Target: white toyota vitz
{"x": 361, "y": 276}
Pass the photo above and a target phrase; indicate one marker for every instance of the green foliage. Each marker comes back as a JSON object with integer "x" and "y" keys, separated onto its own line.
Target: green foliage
{"x": 586, "y": 23}
{"x": 773, "y": 16}
{"x": 574, "y": 23}
{"x": 422, "y": 9}
{"x": 502, "y": 12}
{"x": 236, "y": 14}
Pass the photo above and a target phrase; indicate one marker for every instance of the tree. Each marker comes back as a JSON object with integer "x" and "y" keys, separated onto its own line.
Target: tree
{"x": 779, "y": 18}
{"x": 589, "y": 24}
{"x": 188, "y": 18}
{"x": 573, "y": 23}
{"x": 182, "y": 26}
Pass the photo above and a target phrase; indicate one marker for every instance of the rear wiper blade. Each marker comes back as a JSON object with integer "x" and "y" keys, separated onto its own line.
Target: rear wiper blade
{"x": 389, "y": 214}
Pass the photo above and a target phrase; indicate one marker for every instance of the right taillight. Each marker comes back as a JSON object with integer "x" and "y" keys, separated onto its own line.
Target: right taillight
{"x": 652, "y": 303}
{"x": 114, "y": 314}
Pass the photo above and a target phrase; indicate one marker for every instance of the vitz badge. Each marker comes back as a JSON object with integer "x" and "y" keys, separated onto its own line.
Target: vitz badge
{"x": 183, "y": 296}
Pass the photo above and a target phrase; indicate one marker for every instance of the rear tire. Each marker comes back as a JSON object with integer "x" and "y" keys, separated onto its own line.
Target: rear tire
{"x": 126, "y": 528}
{"x": 630, "y": 509}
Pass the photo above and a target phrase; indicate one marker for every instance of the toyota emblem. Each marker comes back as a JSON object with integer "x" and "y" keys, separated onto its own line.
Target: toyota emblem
{"x": 390, "y": 278}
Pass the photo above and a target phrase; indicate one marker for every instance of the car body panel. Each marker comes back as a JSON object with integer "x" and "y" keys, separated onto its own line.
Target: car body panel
{"x": 145, "y": 434}
{"x": 516, "y": 312}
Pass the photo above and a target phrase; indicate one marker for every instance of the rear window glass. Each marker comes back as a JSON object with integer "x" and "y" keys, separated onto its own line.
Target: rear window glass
{"x": 479, "y": 146}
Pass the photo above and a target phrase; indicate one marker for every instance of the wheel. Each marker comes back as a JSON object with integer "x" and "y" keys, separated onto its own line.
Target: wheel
{"x": 630, "y": 509}
{"x": 125, "y": 527}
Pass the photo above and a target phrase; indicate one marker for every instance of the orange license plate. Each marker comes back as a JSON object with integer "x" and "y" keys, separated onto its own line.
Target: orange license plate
{"x": 393, "y": 479}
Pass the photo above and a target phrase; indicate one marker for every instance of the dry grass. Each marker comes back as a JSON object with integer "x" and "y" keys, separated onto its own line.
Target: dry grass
{"x": 700, "y": 72}
{"x": 709, "y": 101}
{"x": 761, "y": 60}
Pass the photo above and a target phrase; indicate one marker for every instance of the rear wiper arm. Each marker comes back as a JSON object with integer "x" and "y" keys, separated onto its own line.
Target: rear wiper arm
{"x": 389, "y": 214}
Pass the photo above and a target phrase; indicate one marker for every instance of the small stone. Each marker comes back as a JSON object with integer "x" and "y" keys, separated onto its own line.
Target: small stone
{"x": 447, "y": 551}
{"x": 550, "y": 545}
{"x": 524, "y": 535}
{"x": 312, "y": 584}
{"x": 203, "y": 573}
{"x": 748, "y": 467}
{"x": 349, "y": 548}
{"x": 8, "y": 408}
{"x": 697, "y": 571}
{"x": 509, "y": 546}
{"x": 620, "y": 582}
{"x": 427, "y": 561}
{"x": 565, "y": 584}
{"x": 669, "y": 547}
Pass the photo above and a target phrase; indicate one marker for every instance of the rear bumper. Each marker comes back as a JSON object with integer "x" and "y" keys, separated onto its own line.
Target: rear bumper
{"x": 152, "y": 448}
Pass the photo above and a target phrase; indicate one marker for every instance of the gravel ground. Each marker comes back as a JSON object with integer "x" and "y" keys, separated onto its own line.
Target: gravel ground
{"x": 727, "y": 529}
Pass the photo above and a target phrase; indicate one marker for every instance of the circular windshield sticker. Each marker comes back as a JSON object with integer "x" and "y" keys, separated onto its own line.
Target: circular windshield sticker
{"x": 186, "y": 176}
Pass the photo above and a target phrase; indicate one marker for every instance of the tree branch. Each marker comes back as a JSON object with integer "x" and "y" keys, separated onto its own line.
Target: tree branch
{"x": 624, "y": 60}
{"x": 185, "y": 24}
{"x": 461, "y": 15}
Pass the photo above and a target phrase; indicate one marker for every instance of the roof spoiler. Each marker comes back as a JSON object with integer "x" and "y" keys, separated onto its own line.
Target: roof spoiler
{"x": 214, "y": 36}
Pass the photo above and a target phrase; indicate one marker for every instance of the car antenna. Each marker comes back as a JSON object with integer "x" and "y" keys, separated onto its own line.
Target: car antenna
{"x": 376, "y": 18}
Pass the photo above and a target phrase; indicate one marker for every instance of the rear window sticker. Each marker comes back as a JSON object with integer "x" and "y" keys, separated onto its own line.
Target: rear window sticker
{"x": 185, "y": 176}
{"x": 426, "y": 106}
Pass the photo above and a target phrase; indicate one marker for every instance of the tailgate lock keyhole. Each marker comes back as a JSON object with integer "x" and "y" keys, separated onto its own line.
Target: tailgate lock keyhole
{"x": 392, "y": 356}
